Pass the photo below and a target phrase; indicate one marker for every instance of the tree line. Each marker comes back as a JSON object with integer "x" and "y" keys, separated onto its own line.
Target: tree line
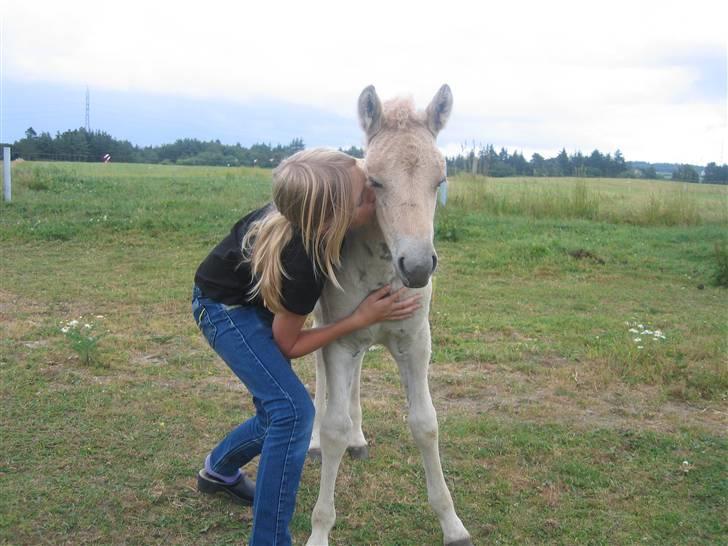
{"x": 82, "y": 145}
{"x": 93, "y": 146}
{"x": 486, "y": 161}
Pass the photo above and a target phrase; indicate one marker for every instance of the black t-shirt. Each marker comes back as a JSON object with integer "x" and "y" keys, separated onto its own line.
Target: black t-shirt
{"x": 224, "y": 276}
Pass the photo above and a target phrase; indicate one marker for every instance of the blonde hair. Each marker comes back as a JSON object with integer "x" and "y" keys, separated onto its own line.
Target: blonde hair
{"x": 312, "y": 193}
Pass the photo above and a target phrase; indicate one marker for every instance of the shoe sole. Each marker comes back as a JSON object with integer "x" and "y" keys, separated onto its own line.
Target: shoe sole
{"x": 209, "y": 488}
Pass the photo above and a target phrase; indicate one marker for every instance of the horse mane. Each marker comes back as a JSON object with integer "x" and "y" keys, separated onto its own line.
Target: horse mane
{"x": 399, "y": 113}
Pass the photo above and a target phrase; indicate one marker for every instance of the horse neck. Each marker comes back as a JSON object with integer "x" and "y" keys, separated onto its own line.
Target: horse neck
{"x": 366, "y": 247}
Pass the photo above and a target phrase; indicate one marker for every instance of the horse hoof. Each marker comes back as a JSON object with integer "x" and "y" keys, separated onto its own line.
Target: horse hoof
{"x": 461, "y": 542}
{"x": 358, "y": 452}
{"x": 315, "y": 454}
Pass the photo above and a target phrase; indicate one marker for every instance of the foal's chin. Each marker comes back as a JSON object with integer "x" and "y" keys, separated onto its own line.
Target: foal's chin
{"x": 419, "y": 283}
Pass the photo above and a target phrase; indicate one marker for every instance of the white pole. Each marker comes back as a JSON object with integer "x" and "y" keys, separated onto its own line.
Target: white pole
{"x": 6, "y": 173}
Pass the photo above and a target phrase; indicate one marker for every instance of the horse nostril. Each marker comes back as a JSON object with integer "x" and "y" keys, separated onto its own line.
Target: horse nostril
{"x": 434, "y": 261}
{"x": 401, "y": 264}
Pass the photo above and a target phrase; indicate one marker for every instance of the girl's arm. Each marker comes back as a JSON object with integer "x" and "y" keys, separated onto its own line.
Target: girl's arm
{"x": 378, "y": 306}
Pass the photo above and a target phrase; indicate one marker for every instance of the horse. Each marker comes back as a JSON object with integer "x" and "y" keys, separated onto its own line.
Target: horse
{"x": 405, "y": 168}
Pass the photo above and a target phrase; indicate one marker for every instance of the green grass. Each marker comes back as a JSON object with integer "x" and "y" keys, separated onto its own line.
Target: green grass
{"x": 640, "y": 202}
{"x": 556, "y": 427}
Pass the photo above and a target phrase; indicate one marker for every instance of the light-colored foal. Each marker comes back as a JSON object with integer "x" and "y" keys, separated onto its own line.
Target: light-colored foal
{"x": 405, "y": 168}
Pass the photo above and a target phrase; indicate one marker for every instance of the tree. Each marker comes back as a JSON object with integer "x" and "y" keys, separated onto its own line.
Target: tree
{"x": 594, "y": 164}
{"x": 686, "y": 173}
{"x": 30, "y": 133}
{"x": 353, "y": 151}
{"x": 715, "y": 174}
{"x": 563, "y": 163}
{"x": 619, "y": 164}
{"x": 538, "y": 164}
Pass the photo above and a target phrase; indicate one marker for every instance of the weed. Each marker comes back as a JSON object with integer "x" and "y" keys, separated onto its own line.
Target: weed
{"x": 83, "y": 340}
{"x": 448, "y": 226}
{"x": 669, "y": 209}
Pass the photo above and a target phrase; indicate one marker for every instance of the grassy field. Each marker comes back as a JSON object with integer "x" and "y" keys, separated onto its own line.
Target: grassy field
{"x": 579, "y": 368}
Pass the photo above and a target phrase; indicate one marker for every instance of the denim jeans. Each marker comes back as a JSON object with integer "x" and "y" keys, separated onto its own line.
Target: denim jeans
{"x": 279, "y": 431}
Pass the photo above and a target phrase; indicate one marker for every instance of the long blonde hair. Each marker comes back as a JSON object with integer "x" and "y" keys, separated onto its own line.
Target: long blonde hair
{"x": 312, "y": 192}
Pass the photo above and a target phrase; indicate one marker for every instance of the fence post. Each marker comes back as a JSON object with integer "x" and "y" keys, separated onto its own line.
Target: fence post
{"x": 6, "y": 173}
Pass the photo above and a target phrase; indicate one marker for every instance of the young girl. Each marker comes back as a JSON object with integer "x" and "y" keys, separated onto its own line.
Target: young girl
{"x": 251, "y": 298}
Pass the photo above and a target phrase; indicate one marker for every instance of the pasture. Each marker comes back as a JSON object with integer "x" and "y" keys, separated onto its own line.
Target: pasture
{"x": 579, "y": 369}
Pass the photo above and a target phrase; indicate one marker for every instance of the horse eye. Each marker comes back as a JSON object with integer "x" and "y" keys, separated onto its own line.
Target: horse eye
{"x": 375, "y": 184}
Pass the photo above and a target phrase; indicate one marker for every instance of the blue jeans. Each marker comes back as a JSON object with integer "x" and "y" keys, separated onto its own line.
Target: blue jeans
{"x": 279, "y": 432}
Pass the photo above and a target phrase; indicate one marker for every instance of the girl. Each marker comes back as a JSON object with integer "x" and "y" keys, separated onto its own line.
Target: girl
{"x": 251, "y": 297}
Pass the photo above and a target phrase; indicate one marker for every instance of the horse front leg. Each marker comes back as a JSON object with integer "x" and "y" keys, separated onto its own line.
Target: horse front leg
{"x": 319, "y": 402}
{"x": 413, "y": 358}
{"x": 336, "y": 427}
{"x": 357, "y": 448}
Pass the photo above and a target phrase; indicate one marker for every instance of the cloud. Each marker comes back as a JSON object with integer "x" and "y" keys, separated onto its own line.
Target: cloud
{"x": 537, "y": 75}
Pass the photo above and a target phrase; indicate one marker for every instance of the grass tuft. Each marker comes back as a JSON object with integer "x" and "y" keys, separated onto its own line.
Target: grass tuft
{"x": 720, "y": 273}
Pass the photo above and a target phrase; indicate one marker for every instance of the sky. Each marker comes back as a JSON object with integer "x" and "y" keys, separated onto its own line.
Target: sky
{"x": 645, "y": 77}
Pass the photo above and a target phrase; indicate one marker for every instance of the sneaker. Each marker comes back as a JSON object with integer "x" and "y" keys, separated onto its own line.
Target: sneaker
{"x": 240, "y": 492}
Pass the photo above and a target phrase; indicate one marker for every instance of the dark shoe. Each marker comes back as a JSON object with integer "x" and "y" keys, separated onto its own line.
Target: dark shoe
{"x": 241, "y": 492}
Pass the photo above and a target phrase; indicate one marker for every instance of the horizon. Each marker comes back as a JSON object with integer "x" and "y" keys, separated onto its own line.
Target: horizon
{"x": 64, "y": 95}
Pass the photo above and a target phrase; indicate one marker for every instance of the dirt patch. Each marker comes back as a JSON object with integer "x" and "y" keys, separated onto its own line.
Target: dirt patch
{"x": 582, "y": 254}
{"x": 476, "y": 388}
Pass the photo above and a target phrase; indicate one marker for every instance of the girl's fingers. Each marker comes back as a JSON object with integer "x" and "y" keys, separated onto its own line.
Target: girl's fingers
{"x": 394, "y": 296}
{"x": 383, "y": 291}
{"x": 415, "y": 300}
{"x": 403, "y": 313}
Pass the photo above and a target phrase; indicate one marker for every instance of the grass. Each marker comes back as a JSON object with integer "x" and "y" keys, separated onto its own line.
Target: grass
{"x": 556, "y": 427}
{"x": 638, "y": 202}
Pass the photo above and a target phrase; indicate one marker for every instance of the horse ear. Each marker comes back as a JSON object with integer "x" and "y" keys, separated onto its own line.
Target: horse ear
{"x": 438, "y": 112}
{"x": 370, "y": 112}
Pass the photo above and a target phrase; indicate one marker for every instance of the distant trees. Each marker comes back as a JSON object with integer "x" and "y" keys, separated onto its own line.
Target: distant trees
{"x": 715, "y": 174}
{"x": 686, "y": 173}
{"x": 74, "y": 145}
{"x": 487, "y": 161}
{"x": 353, "y": 151}
{"x": 82, "y": 145}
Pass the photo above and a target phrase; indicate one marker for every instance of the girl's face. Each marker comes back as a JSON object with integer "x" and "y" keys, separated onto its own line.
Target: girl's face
{"x": 363, "y": 197}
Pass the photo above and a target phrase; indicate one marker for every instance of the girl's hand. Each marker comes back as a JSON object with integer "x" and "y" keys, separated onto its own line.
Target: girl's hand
{"x": 381, "y": 305}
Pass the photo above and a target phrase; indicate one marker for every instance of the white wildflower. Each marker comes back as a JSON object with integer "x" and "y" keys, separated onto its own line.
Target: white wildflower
{"x": 637, "y": 339}
{"x": 634, "y": 330}
{"x": 73, "y": 323}
{"x": 65, "y": 329}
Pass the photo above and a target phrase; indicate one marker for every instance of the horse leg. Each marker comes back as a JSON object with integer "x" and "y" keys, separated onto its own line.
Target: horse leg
{"x": 335, "y": 432}
{"x": 358, "y": 448}
{"x": 413, "y": 360}
{"x": 314, "y": 448}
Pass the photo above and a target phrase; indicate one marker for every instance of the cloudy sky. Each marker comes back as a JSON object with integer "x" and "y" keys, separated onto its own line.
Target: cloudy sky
{"x": 646, "y": 77}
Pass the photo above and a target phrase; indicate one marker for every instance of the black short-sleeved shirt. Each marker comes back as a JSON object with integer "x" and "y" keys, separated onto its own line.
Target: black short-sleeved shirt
{"x": 225, "y": 277}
